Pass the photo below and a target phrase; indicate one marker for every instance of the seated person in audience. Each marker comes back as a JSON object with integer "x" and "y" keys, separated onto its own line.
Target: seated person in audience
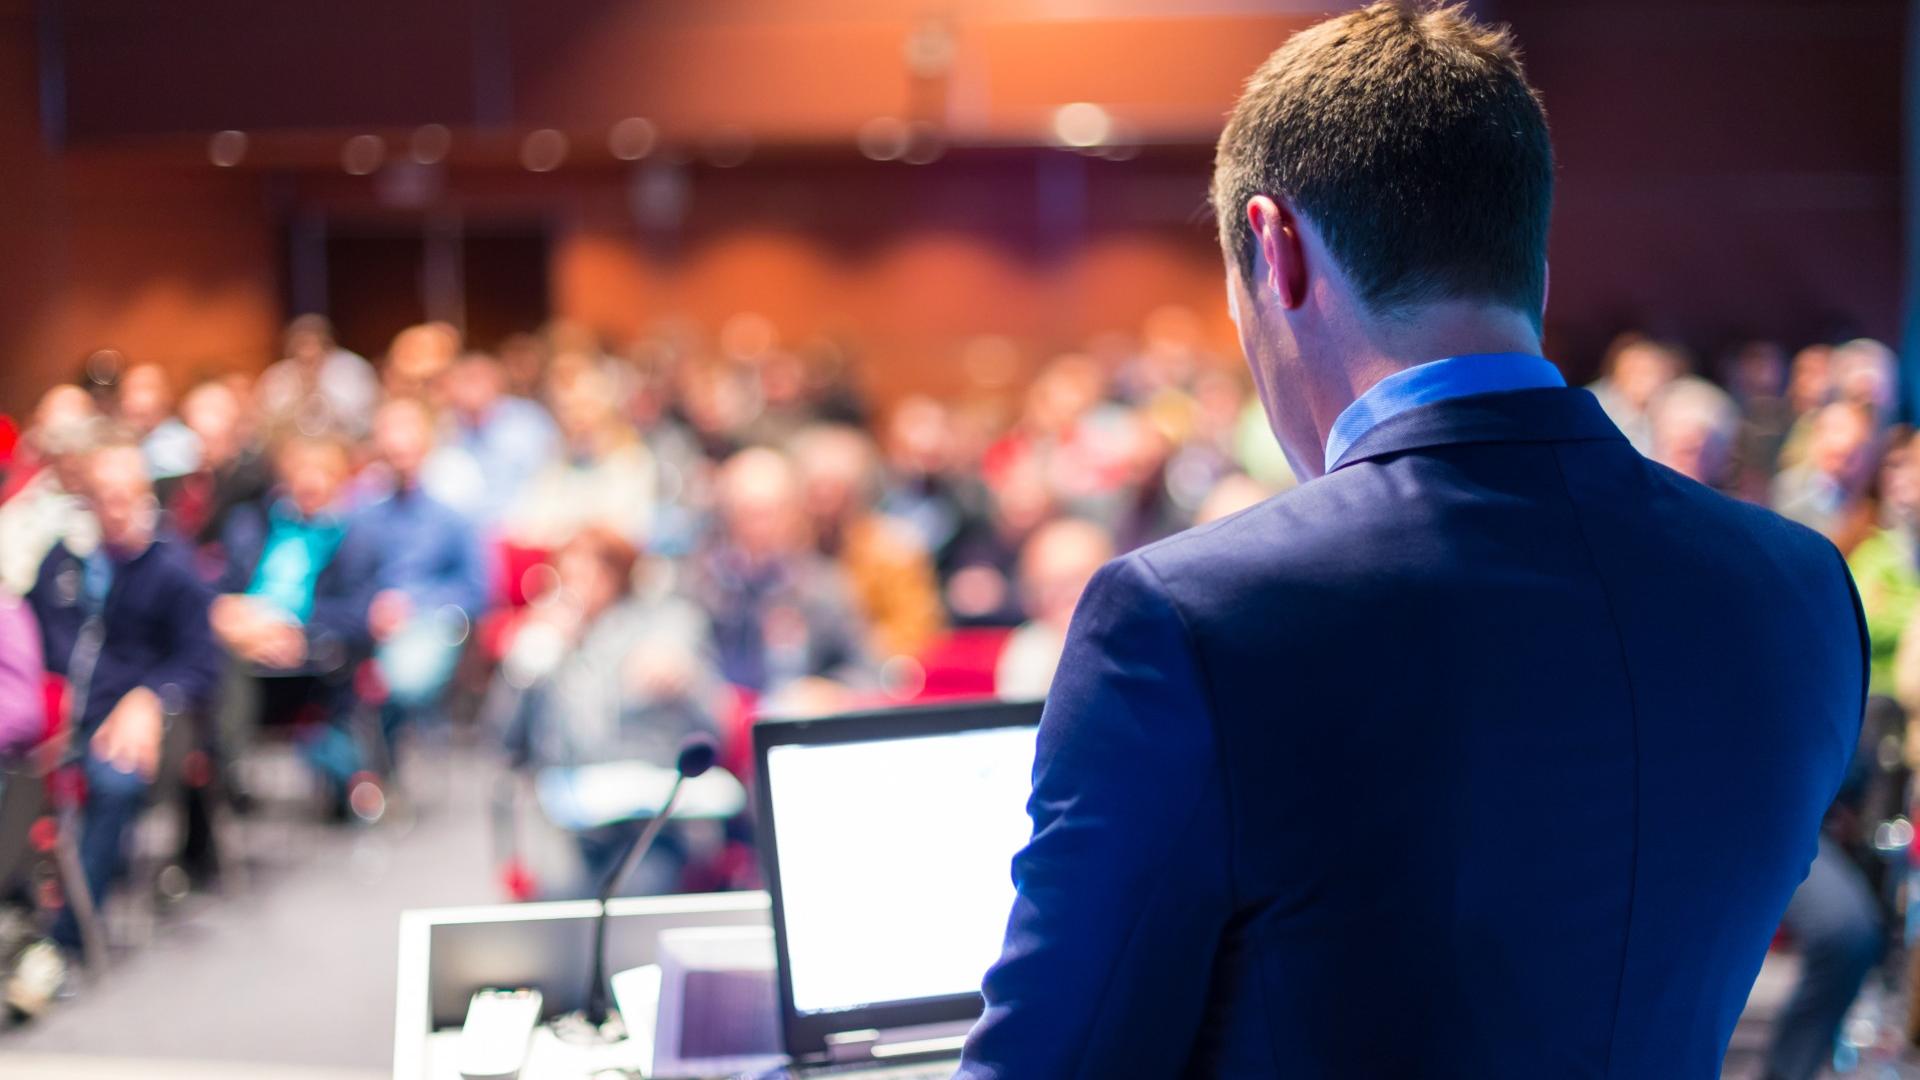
{"x": 319, "y": 386}
{"x": 1865, "y": 372}
{"x": 983, "y": 560}
{"x": 32, "y": 968}
{"x": 232, "y": 472}
{"x": 1886, "y": 565}
{"x": 1757, "y": 379}
{"x": 781, "y": 612}
{"x": 1861, "y": 372}
{"x": 1695, "y": 425}
{"x": 524, "y": 359}
{"x": 432, "y": 575}
{"x": 294, "y": 601}
{"x": 1810, "y": 378}
{"x": 1636, "y": 368}
{"x": 143, "y": 405}
{"x": 23, "y": 712}
{"x": 1821, "y": 490}
{"x": 49, "y": 507}
{"x": 1055, "y": 566}
{"x": 603, "y": 475}
{"x": 135, "y": 595}
{"x": 1153, "y": 500}
{"x": 779, "y": 380}
{"x": 603, "y": 672}
{"x": 1810, "y": 385}
{"x": 923, "y": 487}
{"x": 491, "y": 443}
{"x": 418, "y": 357}
{"x": 882, "y": 559}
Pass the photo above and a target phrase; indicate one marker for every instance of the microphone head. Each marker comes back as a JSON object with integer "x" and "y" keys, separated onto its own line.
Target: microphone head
{"x": 697, "y": 755}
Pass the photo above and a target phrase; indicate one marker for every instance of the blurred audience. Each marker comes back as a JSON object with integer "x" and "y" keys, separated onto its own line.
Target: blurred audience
{"x": 431, "y": 573}
{"x": 1886, "y": 564}
{"x": 1820, "y": 491}
{"x": 418, "y": 357}
{"x": 293, "y": 610}
{"x": 603, "y": 673}
{"x": 1634, "y": 371}
{"x": 46, "y": 504}
{"x": 781, "y": 611}
{"x": 23, "y": 713}
{"x": 602, "y": 475}
{"x": 319, "y": 387}
{"x": 1757, "y": 377}
{"x": 611, "y": 548}
{"x": 143, "y": 405}
{"x": 607, "y": 671}
{"x": 1055, "y": 565}
{"x": 126, "y": 624}
{"x": 883, "y": 560}
{"x": 492, "y": 443}
{"x": 1695, "y": 428}
{"x": 231, "y": 471}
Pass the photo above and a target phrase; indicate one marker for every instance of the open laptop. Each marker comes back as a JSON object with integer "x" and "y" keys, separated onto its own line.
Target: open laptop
{"x": 888, "y": 839}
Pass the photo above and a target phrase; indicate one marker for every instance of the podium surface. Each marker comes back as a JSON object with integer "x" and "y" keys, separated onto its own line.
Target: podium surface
{"x": 448, "y": 953}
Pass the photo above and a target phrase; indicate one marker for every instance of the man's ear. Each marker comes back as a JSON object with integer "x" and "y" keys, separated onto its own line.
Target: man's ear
{"x": 1282, "y": 255}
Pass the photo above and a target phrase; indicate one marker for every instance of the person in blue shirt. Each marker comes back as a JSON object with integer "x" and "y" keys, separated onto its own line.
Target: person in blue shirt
{"x": 432, "y": 573}
{"x": 295, "y": 593}
{"x": 492, "y": 443}
{"x": 126, "y": 625}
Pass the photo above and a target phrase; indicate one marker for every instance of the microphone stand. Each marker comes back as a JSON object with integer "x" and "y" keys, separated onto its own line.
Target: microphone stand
{"x": 697, "y": 755}
{"x": 596, "y": 1011}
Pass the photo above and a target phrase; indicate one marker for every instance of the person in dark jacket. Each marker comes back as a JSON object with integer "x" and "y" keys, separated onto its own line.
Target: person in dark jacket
{"x": 126, "y": 625}
{"x": 232, "y": 472}
{"x": 293, "y": 606}
{"x": 1400, "y": 773}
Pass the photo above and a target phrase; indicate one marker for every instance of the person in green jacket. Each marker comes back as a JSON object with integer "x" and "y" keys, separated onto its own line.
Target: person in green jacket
{"x": 1886, "y": 565}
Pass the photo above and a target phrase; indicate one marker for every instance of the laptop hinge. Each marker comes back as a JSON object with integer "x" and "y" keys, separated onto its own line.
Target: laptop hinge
{"x": 844, "y": 1046}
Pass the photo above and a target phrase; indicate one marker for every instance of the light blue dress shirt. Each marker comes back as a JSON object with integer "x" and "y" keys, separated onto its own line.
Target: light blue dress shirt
{"x": 1439, "y": 380}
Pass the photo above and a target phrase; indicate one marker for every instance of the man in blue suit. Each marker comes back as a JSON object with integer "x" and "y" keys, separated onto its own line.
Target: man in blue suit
{"x": 1494, "y": 750}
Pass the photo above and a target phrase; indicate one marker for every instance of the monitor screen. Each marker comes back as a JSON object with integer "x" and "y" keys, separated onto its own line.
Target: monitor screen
{"x": 895, "y": 861}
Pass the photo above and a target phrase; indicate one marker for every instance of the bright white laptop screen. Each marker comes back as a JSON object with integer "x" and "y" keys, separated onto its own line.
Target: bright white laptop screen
{"x": 895, "y": 858}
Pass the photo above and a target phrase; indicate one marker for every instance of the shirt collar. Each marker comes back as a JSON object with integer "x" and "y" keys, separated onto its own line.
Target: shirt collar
{"x": 1439, "y": 380}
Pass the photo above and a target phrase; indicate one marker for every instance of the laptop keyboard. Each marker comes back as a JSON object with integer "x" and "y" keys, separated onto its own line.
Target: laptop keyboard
{"x": 923, "y": 1070}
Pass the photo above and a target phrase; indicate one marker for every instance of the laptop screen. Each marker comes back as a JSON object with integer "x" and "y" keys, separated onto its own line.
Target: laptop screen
{"x": 893, "y": 858}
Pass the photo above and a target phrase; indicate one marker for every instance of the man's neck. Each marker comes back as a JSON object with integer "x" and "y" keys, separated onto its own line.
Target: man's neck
{"x": 1435, "y": 332}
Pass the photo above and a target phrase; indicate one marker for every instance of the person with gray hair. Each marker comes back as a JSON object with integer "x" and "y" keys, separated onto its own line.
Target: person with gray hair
{"x": 50, "y": 508}
{"x": 1865, "y": 372}
{"x": 1694, "y": 425}
{"x": 319, "y": 387}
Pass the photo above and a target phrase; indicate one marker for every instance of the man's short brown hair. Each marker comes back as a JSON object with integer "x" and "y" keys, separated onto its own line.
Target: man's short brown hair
{"x": 1410, "y": 138}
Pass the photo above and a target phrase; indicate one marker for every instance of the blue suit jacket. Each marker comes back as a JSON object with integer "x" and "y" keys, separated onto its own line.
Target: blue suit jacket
{"x": 1495, "y": 753}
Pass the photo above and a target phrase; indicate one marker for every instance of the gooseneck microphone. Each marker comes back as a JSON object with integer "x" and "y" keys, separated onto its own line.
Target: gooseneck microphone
{"x": 697, "y": 755}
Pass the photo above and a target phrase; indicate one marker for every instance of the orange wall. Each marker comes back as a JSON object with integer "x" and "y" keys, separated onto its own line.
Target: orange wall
{"x": 907, "y": 306}
{"x": 169, "y": 263}
{"x": 908, "y": 264}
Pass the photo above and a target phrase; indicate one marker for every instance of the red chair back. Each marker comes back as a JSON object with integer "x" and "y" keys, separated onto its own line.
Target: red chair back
{"x": 962, "y": 663}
